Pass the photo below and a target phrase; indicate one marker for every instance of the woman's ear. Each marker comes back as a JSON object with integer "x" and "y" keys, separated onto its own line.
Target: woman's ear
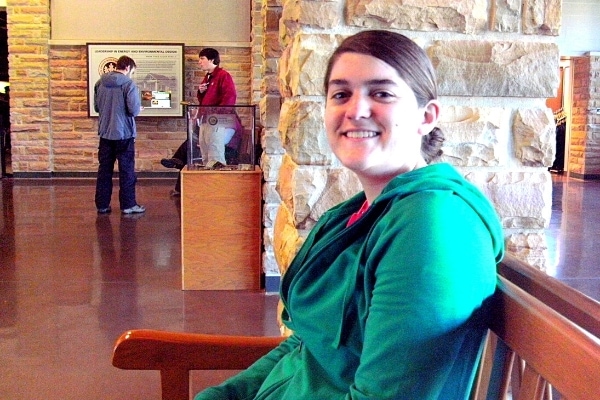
{"x": 431, "y": 115}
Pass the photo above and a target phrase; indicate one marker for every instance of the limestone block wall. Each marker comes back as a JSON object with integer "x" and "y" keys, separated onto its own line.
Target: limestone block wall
{"x": 29, "y": 31}
{"x": 584, "y": 157}
{"x": 496, "y": 63}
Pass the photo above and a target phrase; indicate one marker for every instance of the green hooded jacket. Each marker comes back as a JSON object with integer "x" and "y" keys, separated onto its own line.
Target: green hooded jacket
{"x": 391, "y": 307}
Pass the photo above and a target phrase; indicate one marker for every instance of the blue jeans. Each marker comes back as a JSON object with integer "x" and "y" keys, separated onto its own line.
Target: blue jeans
{"x": 110, "y": 151}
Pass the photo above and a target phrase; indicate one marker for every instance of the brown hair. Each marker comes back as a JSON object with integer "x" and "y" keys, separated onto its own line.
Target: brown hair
{"x": 412, "y": 65}
{"x": 210, "y": 54}
{"x": 124, "y": 61}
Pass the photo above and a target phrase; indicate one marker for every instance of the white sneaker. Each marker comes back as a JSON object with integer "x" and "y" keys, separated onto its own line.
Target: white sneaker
{"x": 135, "y": 209}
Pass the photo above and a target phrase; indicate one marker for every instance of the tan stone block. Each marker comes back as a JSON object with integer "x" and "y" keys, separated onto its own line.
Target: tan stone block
{"x": 74, "y": 52}
{"x": 530, "y": 247}
{"x": 523, "y": 200}
{"x": 286, "y": 241}
{"x": 37, "y": 150}
{"x": 69, "y": 115}
{"x": 285, "y": 182}
{"x": 72, "y": 151}
{"x": 505, "y": 15}
{"x": 303, "y": 64}
{"x": 270, "y": 213}
{"x": 303, "y": 134}
{"x": 270, "y": 165}
{"x": 534, "y": 133}
{"x": 301, "y": 14}
{"x": 271, "y": 46}
{"x": 33, "y": 103}
{"x": 467, "y": 16}
{"x": 341, "y": 185}
{"x": 269, "y": 263}
{"x": 283, "y": 73}
{"x": 73, "y": 74}
{"x": 37, "y": 166}
{"x": 270, "y": 107}
{"x": 308, "y": 184}
{"x": 473, "y": 135}
{"x": 270, "y": 194}
{"x": 271, "y": 142}
{"x": 271, "y": 66}
{"x": 542, "y": 17}
{"x": 59, "y": 128}
{"x": 270, "y": 84}
{"x": 271, "y": 18}
{"x": 495, "y": 69}
{"x": 24, "y": 49}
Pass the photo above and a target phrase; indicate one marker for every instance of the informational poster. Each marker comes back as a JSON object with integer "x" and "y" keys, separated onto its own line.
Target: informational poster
{"x": 159, "y": 74}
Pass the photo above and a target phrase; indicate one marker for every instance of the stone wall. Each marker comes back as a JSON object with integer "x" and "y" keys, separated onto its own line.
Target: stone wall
{"x": 496, "y": 63}
{"x": 51, "y": 131}
{"x": 584, "y": 150}
{"x": 28, "y": 25}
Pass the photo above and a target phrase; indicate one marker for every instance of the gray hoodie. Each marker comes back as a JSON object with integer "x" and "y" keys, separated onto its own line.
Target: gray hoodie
{"x": 117, "y": 100}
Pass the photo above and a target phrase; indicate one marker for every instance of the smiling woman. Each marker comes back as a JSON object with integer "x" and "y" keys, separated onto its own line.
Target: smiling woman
{"x": 388, "y": 296}
{"x": 380, "y": 111}
{"x": 375, "y": 126}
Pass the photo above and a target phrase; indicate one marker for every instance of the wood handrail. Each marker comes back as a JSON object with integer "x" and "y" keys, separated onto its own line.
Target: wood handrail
{"x": 565, "y": 355}
{"x": 153, "y": 349}
{"x": 574, "y": 305}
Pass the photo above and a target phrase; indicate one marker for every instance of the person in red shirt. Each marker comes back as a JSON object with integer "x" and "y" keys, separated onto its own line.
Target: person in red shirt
{"x": 216, "y": 89}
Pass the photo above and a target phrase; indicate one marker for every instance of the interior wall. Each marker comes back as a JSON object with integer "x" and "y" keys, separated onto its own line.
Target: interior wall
{"x": 580, "y": 28}
{"x": 182, "y": 21}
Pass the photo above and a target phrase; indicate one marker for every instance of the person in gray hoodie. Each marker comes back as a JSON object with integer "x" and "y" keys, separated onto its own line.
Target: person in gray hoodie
{"x": 117, "y": 100}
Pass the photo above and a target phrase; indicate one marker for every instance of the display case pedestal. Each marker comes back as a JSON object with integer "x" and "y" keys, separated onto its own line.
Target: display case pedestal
{"x": 221, "y": 229}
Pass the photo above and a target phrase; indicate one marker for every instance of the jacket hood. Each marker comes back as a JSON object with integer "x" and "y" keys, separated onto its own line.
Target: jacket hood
{"x": 114, "y": 79}
{"x": 443, "y": 176}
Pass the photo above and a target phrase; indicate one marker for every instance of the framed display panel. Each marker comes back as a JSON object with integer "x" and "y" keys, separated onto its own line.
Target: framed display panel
{"x": 221, "y": 137}
{"x": 159, "y": 74}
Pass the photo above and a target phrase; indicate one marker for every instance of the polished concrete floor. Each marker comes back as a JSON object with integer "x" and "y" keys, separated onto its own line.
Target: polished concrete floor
{"x": 71, "y": 281}
{"x": 574, "y": 233}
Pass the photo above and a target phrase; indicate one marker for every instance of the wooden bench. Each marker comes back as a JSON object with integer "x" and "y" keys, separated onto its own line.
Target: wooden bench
{"x": 574, "y": 305}
{"x": 550, "y": 348}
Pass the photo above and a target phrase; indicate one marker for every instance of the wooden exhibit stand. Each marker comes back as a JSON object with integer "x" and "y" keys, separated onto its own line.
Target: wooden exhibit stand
{"x": 221, "y": 232}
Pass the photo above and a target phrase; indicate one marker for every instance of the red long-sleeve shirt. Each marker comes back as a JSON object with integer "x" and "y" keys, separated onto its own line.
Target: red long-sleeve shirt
{"x": 221, "y": 91}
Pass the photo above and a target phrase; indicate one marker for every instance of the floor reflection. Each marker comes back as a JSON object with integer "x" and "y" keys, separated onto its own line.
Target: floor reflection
{"x": 118, "y": 308}
{"x": 573, "y": 232}
{"x": 71, "y": 281}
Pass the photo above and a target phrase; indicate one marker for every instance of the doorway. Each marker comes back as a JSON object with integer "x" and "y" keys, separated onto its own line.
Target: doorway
{"x": 5, "y": 146}
{"x": 561, "y": 106}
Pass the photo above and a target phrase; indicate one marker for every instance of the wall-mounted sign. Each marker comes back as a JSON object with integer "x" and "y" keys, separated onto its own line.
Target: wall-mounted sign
{"x": 159, "y": 74}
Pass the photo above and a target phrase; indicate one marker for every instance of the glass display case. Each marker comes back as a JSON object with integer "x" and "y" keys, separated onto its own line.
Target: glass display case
{"x": 221, "y": 137}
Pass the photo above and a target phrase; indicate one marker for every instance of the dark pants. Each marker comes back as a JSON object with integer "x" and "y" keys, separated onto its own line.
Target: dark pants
{"x": 110, "y": 151}
{"x": 181, "y": 154}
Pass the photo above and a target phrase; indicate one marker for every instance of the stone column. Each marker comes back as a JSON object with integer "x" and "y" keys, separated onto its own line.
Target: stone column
{"x": 584, "y": 156}
{"x": 495, "y": 65}
{"x": 270, "y": 105}
{"x": 28, "y": 34}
